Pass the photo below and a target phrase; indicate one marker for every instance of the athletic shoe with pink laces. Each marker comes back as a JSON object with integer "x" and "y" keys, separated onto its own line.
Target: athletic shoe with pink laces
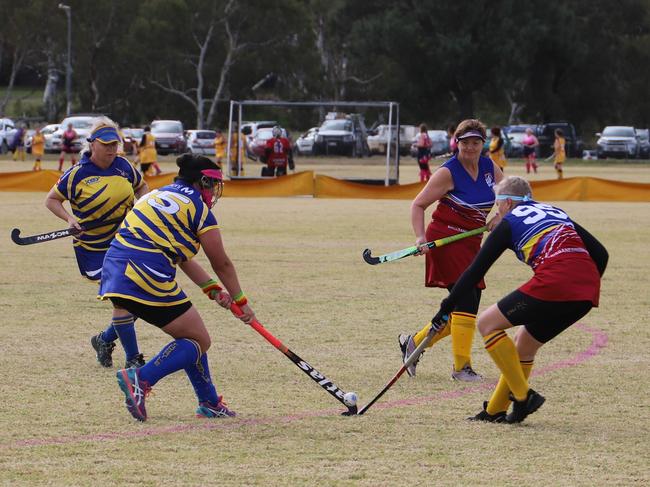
{"x": 209, "y": 409}
{"x": 135, "y": 391}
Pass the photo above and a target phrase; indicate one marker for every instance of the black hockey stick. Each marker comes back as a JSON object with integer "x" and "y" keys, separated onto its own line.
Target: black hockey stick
{"x": 46, "y": 237}
{"x": 412, "y": 358}
{"x": 400, "y": 254}
{"x": 315, "y": 375}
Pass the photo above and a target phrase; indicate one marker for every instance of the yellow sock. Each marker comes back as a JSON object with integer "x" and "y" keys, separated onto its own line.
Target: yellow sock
{"x": 462, "y": 335}
{"x": 502, "y": 350}
{"x": 420, "y": 335}
{"x": 500, "y": 399}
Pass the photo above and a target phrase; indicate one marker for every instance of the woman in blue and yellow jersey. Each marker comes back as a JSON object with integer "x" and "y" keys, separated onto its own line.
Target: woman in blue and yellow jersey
{"x": 102, "y": 187}
{"x": 166, "y": 229}
{"x": 567, "y": 263}
{"x": 463, "y": 187}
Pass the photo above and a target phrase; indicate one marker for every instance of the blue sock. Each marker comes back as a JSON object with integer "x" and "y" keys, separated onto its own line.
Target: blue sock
{"x": 199, "y": 375}
{"x": 176, "y": 355}
{"x": 109, "y": 334}
{"x": 125, "y": 331}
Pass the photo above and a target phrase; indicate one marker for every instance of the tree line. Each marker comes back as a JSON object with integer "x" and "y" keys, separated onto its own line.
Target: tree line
{"x": 505, "y": 61}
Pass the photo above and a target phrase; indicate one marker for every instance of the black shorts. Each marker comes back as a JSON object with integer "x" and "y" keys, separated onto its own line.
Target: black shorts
{"x": 159, "y": 316}
{"x": 528, "y": 150}
{"x": 544, "y": 320}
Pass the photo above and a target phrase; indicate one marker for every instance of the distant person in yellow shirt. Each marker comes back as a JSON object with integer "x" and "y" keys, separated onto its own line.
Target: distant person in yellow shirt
{"x": 38, "y": 149}
{"x": 219, "y": 147}
{"x": 559, "y": 151}
{"x": 497, "y": 148}
{"x": 148, "y": 154}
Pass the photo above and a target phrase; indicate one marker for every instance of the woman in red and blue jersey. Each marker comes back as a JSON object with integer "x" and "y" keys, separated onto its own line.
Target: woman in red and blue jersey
{"x": 103, "y": 186}
{"x": 165, "y": 230}
{"x": 463, "y": 187}
{"x": 567, "y": 262}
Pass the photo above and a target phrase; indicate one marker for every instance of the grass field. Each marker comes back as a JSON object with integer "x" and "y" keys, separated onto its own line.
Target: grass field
{"x": 299, "y": 260}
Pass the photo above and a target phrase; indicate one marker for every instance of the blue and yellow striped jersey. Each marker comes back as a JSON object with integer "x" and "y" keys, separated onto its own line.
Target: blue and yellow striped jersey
{"x": 97, "y": 194}
{"x": 168, "y": 221}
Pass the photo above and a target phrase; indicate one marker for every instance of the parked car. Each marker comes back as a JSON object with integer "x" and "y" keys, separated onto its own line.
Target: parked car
{"x": 305, "y": 143}
{"x": 439, "y": 143}
{"x": 618, "y": 142}
{"x": 7, "y": 131}
{"x": 81, "y": 124}
{"x": 644, "y": 143}
{"x": 546, "y": 136}
{"x": 378, "y": 139}
{"x": 201, "y": 142}
{"x": 342, "y": 134}
{"x": 257, "y": 146}
{"x": 170, "y": 136}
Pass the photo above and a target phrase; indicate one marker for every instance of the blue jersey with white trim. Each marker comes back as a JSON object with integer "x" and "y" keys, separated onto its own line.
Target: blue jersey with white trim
{"x": 97, "y": 194}
{"x": 470, "y": 200}
{"x": 541, "y": 231}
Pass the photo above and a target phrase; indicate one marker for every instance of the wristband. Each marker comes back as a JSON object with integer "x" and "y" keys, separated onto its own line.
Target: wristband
{"x": 240, "y": 299}
{"x": 211, "y": 288}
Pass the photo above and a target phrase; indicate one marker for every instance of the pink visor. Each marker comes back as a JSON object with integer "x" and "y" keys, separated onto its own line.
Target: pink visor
{"x": 212, "y": 173}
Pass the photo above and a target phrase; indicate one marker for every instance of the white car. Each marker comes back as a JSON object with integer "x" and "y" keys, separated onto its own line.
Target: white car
{"x": 378, "y": 142}
{"x": 201, "y": 142}
{"x": 305, "y": 143}
{"x": 7, "y": 131}
{"x": 81, "y": 124}
{"x": 48, "y": 132}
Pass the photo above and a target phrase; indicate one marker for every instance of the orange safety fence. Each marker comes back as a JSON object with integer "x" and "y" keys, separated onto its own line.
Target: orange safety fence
{"x": 307, "y": 184}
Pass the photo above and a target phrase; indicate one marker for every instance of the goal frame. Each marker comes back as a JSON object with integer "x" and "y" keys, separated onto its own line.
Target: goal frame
{"x": 393, "y": 112}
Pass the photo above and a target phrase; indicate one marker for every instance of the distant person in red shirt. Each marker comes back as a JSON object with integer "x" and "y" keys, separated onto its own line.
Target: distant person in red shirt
{"x": 67, "y": 146}
{"x": 277, "y": 155}
{"x": 423, "y": 144}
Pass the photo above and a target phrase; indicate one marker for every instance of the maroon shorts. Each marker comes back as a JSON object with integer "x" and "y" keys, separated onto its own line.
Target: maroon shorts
{"x": 67, "y": 149}
{"x": 444, "y": 265}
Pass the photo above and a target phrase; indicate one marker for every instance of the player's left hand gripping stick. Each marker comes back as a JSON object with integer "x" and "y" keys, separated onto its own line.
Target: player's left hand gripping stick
{"x": 348, "y": 399}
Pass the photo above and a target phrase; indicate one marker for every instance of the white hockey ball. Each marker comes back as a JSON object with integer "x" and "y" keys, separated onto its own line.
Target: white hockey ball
{"x": 350, "y": 399}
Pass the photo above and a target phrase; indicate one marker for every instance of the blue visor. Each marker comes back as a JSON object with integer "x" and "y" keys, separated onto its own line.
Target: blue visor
{"x": 512, "y": 197}
{"x": 105, "y": 134}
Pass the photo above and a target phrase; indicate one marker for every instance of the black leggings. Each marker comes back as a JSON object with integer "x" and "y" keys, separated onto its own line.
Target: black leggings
{"x": 469, "y": 302}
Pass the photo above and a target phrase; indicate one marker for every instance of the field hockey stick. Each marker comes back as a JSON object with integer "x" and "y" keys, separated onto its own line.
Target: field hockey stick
{"x": 46, "y": 237}
{"x": 314, "y": 374}
{"x": 410, "y": 361}
{"x": 414, "y": 250}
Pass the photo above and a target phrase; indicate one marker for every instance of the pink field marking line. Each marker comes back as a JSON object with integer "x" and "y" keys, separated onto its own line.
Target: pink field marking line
{"x": 599, "y": 341}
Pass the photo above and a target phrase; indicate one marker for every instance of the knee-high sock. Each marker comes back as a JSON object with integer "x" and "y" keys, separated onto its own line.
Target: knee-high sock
{"x": 500, "y": 399}
{"x": 420, "y": 335}
{"x": 199, "y": 375}
{"x": 125, "y": 331}
{"x": 463, "y": 326}
{"x": 502, "y": 350}
{"x": 109, "y": 334}
{"x": 174, "y": 356}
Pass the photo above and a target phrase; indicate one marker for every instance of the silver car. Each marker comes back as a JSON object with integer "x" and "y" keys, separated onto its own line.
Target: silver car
{"x": 618, "y": 142}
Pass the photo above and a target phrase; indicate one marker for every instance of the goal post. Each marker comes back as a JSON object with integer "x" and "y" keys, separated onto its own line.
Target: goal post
{"x": 236, "y": 119}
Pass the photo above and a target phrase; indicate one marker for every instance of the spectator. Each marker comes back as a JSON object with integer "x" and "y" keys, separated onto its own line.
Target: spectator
{"x": 423, "y": 144}
{"x": 18, "y": 143}
{"x": 38, "y": 149}
{"x": 67, "y": 146}
{"x": 148, "y": 154}
{"x": 530, "y": 142}
{"x": 497, "y": 149}
{"x": 559, "y": 152}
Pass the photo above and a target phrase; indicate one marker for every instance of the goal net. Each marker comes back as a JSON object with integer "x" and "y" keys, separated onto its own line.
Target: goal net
{"x": 360, "y": 141}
